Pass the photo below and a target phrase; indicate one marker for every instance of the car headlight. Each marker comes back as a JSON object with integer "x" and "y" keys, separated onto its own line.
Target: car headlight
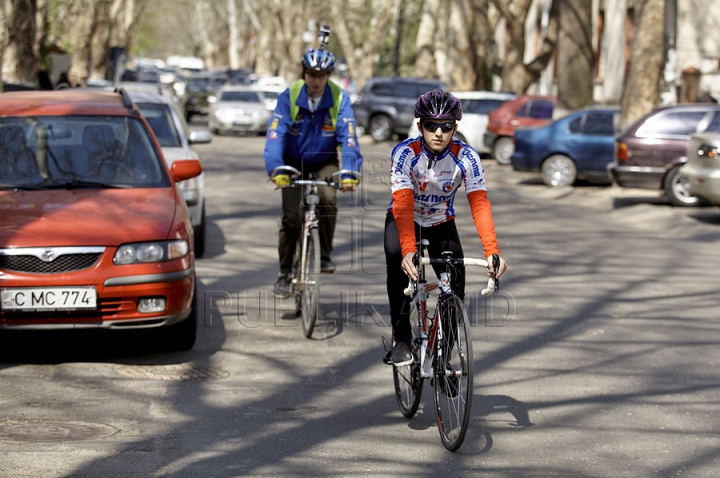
{"x": 145, "y": 252}
{"x": 708, "y": 151}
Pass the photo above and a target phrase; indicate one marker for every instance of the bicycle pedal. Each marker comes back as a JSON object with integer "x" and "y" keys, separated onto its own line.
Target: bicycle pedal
{"x": 386, "y": 359}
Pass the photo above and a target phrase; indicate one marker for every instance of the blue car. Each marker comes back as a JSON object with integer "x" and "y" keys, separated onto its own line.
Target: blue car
{"x": 579, "y": 145}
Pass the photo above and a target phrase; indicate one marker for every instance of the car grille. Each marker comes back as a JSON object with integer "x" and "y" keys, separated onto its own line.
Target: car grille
{"x": 33, "y": 265}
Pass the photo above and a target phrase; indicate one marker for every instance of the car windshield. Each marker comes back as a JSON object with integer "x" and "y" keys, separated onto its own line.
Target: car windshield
{"x": 271, "y": 95}
{"x": 45, "y": 152}
{"x": 481, "y": 107}
{"x": 246, "y": 96}
{"x": 160, "y": 120}
{"x": 208, "y": 84}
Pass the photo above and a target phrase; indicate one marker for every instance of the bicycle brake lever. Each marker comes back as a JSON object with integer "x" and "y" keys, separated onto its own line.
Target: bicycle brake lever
{"x": 496, "y": 268}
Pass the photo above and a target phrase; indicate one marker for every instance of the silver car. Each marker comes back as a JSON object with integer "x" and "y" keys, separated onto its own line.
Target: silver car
{"x": 176, "y": 140}
{"x": 702, "y": 169}
{"x": 239, "y": 109}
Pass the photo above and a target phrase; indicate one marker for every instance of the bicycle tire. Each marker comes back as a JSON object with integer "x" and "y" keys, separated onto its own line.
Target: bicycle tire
{"x": 310, "y": 288}
{"x": 407, "y": 380}
{"x": 453, "y": 374}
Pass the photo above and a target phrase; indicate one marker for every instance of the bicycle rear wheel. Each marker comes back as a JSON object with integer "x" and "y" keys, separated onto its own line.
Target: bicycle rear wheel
{"x": 453, "y": 374}
{"x": 408, "y": 383}
{"x": 310, "y": 289}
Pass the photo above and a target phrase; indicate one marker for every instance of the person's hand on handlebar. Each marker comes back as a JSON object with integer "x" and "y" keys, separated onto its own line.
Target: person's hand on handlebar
{"x": 409, "y": 267}
{"x": 281, "y": 180}
{"x": 501, "y": 269}
{"x": 348, "y": 184}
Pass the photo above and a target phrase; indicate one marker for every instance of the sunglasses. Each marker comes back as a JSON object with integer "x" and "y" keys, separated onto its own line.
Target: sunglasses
{"x": 432, "y": 127}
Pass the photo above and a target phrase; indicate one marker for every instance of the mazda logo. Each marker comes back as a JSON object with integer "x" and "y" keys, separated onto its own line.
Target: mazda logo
{"x": 47, "y": 255}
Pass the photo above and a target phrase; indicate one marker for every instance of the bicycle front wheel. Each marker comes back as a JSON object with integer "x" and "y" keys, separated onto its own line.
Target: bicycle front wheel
{"x": 408, "y": 383}
{"x": 453, "y": 374}
{"x": 310, "y": 288}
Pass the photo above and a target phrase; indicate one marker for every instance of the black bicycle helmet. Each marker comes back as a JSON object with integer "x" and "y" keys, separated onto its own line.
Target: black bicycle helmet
{"x": 438, "y": 104}
{"x": 319, "y": 60}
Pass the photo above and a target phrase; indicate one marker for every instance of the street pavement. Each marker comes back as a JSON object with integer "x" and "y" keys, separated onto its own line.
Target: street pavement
{"x": 599, "y": 358}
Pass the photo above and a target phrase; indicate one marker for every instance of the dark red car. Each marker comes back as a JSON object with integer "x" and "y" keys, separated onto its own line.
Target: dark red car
{"x": 649, "y": 153}
{"x": 523, "y": 111}
{"x": 94, "y": 232}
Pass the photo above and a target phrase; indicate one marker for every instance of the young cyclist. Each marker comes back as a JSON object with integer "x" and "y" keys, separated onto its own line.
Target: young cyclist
{"x": 426, "y": 172}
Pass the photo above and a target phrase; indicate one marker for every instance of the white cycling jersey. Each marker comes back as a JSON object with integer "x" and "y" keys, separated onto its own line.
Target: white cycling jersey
{"x": 435, "y": 179}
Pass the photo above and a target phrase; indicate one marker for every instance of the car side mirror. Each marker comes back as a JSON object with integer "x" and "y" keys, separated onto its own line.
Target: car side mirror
{"x": 200, "y": 137}
{"x": 185, "y": 169}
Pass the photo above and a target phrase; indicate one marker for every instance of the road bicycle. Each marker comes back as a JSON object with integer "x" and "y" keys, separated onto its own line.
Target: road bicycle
{"x": 441, "y": 347}
{"x": 305, "y": 273}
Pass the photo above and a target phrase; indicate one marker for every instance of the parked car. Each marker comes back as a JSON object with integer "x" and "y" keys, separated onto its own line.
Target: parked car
{"x": 523, "y": 111}
{"x": 476, "y": 106}
{"x": 198, "y": 88}
{"x": 649, "y": 153}
{"x": 579, "y": 145}
{"x": 386, "y": 105}
{"x": 176, "y": 140}
{"x": 239, "y": 109}
{"x": 95, "y": 234}
{"x": 702, "y": 169}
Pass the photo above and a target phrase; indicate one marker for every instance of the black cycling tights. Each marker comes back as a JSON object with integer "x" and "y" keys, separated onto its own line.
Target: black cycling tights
{"x": 443, "y": 237}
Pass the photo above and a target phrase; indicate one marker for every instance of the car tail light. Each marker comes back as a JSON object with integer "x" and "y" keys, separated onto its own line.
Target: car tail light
{"x": 621, "y": 152}
{"x": 707, "y": 151}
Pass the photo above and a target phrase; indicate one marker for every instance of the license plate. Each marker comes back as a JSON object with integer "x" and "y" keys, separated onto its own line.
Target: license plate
{"x": 49, "y": 298}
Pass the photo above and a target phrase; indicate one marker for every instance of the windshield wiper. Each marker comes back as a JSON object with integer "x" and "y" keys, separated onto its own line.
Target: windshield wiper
{"x": 81, "y": 184}
{"x": 23, "y": 187}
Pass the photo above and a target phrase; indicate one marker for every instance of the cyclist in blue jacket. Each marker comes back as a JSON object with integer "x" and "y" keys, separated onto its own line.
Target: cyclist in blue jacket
{"x": 313, "y": 130}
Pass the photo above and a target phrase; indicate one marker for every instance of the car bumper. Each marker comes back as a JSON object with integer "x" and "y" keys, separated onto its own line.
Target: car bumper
{"x": 241, "y": 125}
{"x": 636, "y": 176}
{"x": 703, "y": 182}
{"x": 117, "y": 302}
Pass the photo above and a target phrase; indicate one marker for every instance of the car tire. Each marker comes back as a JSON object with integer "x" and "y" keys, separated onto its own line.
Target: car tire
{"x": 200, "y": 233}
{"x": 558, "y": 170}
{"x": 182, "y": 336}
{"x": 676, "y": 189}
{"x": 460, "y": 137}
{"x": 381, "y": 128}
{"x": 503, "y": 149}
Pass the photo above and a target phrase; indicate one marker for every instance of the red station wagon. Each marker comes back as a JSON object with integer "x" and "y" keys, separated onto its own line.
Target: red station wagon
{"x": 93, "y": 231}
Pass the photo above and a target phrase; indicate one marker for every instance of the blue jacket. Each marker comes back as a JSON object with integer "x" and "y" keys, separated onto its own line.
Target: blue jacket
{"x": 311, "y": 138}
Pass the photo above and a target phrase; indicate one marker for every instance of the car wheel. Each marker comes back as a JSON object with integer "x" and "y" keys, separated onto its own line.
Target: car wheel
{"x": 676, "y": 189}
{"x": 559, "y": 170}
{"x": 381, "y": 128}
{"x": 199, "y": 233}
{"x": 460, "y": 137}
{"x": 503, "y": 149}
{"x": 182, "y": 336}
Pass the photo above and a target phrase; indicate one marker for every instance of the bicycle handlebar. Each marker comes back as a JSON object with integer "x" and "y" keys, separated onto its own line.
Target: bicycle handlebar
{"x": 314, "y": 182}
{"x": 468, "y": 261}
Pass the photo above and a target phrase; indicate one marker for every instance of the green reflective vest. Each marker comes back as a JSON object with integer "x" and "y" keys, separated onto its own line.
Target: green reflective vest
{"x": 336, "y": 91}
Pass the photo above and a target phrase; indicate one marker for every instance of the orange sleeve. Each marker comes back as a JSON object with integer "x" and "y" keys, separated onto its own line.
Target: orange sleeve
{"x": 403, "y": 209}
{"x": 482, "y": 216}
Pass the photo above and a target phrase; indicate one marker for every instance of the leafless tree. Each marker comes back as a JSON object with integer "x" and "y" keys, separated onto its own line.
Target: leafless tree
{"x": 516, "y": 75}
{"x": 360, "y": 32}
{"x": 642, "y": 86}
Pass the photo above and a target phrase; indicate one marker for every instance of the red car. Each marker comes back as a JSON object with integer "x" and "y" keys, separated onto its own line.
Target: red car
{"x": 93, "y": 231}
{"x": 523, "y": 111}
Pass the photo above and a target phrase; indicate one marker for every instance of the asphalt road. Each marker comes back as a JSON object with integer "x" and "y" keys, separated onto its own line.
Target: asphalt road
{"x": 599, "y": 359}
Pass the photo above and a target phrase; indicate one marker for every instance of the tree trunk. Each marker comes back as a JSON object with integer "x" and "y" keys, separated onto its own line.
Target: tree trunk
{"x": 575, "y": 55}
{"x": 233, "y": 34}
{"x": 425, "y": 60}
{"x": 3, "y": 43}
{"x": 20, "y": 54}
{"x": 461, "y": 52}
{"x": 485, "y": 48}
{"x": 642, "y": 87}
